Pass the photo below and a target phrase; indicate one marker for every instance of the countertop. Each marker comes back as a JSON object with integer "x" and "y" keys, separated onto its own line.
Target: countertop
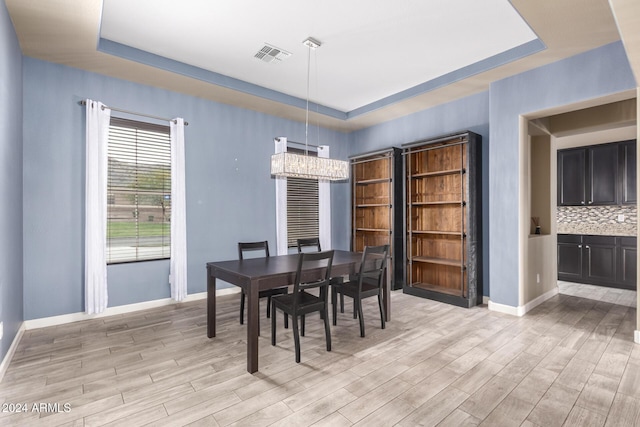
{"x": 620, "y": 229}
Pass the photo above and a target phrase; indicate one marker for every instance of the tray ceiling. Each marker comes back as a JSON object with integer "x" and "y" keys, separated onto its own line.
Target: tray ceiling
{"x": 379, "y": 60}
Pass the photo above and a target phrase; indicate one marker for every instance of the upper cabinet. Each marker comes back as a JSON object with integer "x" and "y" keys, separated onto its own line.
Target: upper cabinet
{"x": 597, "y": 175}
{"x": 572, "y": 166}
{"x": 628, "y": 150}
{"x": 602, "y": 175}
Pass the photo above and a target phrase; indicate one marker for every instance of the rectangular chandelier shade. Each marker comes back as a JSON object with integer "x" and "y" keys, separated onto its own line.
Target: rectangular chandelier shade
{"x": 303, "y": 166}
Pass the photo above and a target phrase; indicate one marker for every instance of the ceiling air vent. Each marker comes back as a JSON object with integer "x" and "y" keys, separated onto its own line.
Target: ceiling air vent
{"x": 271, "y": 53}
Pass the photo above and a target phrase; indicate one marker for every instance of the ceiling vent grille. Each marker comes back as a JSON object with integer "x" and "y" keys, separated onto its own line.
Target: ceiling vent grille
{"x": 270, "y": 53}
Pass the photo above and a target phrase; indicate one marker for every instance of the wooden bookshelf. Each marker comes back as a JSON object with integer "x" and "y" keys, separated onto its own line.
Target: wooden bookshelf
{"x": 443, "y": 219}
{"x": 376, "y": 210}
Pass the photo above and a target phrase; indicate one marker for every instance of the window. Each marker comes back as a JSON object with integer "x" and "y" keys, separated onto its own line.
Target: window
{"x": 138, "y": 191}
{"x": 302, "y": 209}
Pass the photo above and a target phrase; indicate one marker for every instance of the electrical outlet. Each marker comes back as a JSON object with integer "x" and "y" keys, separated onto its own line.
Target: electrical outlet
{"x": 621, "y": 218}
{"x": 538, "y": 278}
{"x": 1, "y": 330}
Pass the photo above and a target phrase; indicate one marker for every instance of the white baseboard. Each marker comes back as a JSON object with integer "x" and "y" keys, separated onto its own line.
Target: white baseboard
{"x": 542, "y": 298}
{"x": 12, "y": 350}
{"x": 506, "y": 309}
{"x": 121, "y": 309}
{"x": 485, "y": 300}
{"x": 521, "y": 310}
{"x": 636, "y": 337}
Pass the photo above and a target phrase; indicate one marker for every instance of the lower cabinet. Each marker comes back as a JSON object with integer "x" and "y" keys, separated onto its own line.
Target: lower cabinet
{"x": 627, "y": 262}
{"x": 569, "y": 257}
{"x": 598, "y": 260}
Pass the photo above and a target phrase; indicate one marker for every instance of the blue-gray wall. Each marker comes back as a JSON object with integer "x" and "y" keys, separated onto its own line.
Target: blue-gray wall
{"x": 470, "y": 113}
{"x": 230, "y": 193}
{"x": 599, "y": 72}
{"x": 11, "y": 279}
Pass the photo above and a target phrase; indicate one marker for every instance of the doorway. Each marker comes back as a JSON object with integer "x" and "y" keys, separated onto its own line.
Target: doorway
{"x": 543, "y": 220}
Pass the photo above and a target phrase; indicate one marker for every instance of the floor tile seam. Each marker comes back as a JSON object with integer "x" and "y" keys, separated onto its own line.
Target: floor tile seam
{"x": 436, "y": 395}
{"x": 592, "y": 410}
{"x": 533, "y": 406}
{"x": 243, "y": 401}
{"x": 625, "y": 395}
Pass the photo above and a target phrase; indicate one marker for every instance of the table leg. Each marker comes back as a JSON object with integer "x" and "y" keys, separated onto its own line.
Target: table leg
{"x": 253, "y": 313}
{"x": 211, "y": 304}
{"x": 387, "y": 294}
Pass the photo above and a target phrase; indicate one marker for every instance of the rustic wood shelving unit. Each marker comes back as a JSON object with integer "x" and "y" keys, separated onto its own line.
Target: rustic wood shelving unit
{"x": 443, "y": 238}
{"x": 376, "y": 210}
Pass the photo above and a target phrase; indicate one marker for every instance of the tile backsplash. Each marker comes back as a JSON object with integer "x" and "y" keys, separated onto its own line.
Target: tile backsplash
{"x": 599, "y": 220}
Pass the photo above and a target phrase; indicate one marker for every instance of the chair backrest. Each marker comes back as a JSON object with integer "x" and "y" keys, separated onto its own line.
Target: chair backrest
{"x": 252, "y": 246}
{"x": 312, "y": 260}
{"x": 308, "y": 243}
{"x": 373, "y": 265}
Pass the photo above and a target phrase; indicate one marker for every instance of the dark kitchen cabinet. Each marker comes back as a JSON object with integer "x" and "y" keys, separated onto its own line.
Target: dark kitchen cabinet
{"x": 603, "y": 174}
{"x": 571, "y": 176}
{"x": 569, "y": 257}
{"x": 628, "y": 172}
{"x": 627, "y": 262}
{"x": 599, "y": 254}
{"x": 598, "y": 260}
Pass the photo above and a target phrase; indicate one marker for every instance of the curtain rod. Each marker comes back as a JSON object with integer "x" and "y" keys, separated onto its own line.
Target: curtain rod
{"x": 83, "y": 102}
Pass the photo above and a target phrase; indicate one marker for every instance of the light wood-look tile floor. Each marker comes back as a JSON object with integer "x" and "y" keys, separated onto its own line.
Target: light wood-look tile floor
{"x": 600, "y": 293}
{"x": 569, "y": 362}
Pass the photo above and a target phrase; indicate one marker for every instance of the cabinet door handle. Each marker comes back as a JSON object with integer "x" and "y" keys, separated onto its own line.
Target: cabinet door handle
{"x": 582, "y": 202}
{"x": 587, "y": 247}
{"x": 590, "y": 201}
{"x": 579, "y": 246}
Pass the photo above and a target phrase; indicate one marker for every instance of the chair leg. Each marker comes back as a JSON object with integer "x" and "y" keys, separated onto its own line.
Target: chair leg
{"x": 334, "y": 308}
{"x": 273, "y": 324}
{"x": 341, "y": 303}
{"x": 327, "y": 329}
{"x": 360, "y": 315}
{"x": 302, "y": 320}
{"x": 296, "y": 337}
{"x": 242, "y": 308}
{"x": 355, "y": 309}
{"x": 286, "y": 321}
{"x": 382, "y": 319}
{"x": 269, "y": 306}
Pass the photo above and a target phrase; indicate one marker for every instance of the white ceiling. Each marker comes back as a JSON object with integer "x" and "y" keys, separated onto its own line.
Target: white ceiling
{"x": 425, "y": 39}
{"x": 371, "y": 49}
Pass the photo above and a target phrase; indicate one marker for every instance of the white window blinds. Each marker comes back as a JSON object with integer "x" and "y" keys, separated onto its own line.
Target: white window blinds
{"x": 302, "y": 209}
{"x": 138, "y": 191}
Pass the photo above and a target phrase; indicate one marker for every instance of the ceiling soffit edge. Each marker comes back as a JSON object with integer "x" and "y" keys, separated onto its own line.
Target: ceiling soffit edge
{"x": 133, "y": 54}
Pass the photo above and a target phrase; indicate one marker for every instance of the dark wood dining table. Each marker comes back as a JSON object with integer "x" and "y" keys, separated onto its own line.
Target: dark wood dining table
{"x": 256, "y": 274}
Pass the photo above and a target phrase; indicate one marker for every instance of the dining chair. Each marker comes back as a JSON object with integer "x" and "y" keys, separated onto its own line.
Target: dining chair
{"x": 300, "y": 302}
{"x": 267, "y": 293}
{"x": 367, "y": 283}
{"x": 313, "y": 242}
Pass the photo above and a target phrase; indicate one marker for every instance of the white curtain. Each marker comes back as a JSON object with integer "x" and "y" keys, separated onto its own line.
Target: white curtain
{"x": 324, "y": 206}
{"x": 281, "y": 203}
{"x": 178, "y": 264}
{"x": 95, "y": 257}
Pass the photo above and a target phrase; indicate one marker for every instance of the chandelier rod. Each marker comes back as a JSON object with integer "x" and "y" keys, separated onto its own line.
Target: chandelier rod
{"x": 306, "y": 126}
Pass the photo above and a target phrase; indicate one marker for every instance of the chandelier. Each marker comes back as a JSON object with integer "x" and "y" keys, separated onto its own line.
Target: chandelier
{"x": 287, "y": 164}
